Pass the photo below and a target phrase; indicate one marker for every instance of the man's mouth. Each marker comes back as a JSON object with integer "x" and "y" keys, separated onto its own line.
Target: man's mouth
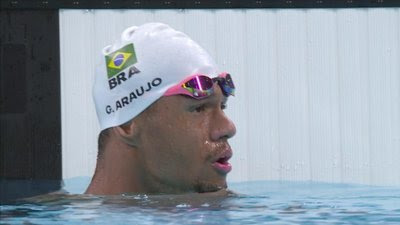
{"x": 221, "y": 164}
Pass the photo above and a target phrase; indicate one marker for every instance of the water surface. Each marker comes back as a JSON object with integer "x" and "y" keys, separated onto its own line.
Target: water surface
{"x": 262, "y": 202}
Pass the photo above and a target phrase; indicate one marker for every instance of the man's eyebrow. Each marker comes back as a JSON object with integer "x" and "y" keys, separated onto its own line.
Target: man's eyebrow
{"x": 215, "y": 98}
{"x": 211, "y": 98}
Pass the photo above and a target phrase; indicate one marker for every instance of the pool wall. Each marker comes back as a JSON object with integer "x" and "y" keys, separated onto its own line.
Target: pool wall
{"x": 318, "y": 90}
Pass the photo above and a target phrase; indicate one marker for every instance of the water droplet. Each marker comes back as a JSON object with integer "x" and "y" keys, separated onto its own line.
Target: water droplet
{"x": 205, "y": 205}
{"x": 183, "y": 205}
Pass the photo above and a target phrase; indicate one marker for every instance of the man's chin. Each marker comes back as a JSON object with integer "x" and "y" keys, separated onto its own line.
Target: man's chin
{"x": 203, "y": 187}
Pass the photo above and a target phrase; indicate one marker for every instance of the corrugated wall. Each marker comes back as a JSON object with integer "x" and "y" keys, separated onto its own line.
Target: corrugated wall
{"x": 318, "y": 89}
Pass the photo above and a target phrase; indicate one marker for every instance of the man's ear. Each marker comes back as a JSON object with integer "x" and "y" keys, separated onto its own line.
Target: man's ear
{"x": 128, "y": 132}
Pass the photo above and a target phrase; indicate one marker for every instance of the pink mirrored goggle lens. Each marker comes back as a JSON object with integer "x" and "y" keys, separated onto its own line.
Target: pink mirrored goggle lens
{"x": 201, "y": 86}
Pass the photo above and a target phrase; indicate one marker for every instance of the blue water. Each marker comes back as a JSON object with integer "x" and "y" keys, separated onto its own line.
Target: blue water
{"x": 263, "y": 202}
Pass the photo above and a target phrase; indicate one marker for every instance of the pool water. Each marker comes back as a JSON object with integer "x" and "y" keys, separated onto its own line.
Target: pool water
{"x": 261, "y": 202}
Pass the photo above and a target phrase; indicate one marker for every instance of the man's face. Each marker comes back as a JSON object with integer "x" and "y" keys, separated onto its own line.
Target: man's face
{"x": 183, "y": 143}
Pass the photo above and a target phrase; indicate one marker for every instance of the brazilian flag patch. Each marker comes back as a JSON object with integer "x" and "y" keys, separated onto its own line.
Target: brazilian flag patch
{"x": 120, "y": 59}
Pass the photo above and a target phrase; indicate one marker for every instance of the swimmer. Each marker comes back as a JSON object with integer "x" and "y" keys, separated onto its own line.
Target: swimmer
{"x": 160, "y": 102}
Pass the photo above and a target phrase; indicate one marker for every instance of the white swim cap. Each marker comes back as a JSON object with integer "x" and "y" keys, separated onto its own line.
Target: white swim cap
{"x": 139, "y": 68}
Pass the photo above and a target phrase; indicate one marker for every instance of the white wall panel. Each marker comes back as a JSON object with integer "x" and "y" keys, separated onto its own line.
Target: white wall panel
{"x": 353, "y": 96}
{"x": 262, "y": 98}
{"x": 318, "y": 89}
{"x": 293, "y": 104}
{"x": 79, "y": 124}
{"x": 322, "y": 81}
{"x": 383, "y": 75}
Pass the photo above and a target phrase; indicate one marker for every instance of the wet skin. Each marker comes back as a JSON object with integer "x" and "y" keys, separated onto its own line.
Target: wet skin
{"x": 181, "y": 139}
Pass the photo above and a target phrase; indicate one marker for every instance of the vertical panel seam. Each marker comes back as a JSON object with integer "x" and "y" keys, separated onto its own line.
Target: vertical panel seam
{"x": 338, "y": 71}
{"x": 307, "y": 53}
{"x": 278, "y": 97}
{"x": 368, "y": 75}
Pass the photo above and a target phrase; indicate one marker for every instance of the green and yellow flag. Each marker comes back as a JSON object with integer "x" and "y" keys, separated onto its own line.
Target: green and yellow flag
{"x": 120, "y": 60}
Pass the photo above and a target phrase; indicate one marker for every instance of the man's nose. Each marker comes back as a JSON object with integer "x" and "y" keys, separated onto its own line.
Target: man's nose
{"x": 222, "y": 127}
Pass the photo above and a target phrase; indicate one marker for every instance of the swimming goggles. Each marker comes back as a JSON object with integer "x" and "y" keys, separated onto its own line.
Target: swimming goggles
{"x": 200, "y": 86}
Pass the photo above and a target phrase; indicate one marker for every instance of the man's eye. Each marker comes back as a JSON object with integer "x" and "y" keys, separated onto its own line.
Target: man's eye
{"x": 200, "y": 108}
{"x": 223, "y": 106}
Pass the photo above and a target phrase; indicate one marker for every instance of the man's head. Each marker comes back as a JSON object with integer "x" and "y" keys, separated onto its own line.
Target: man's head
{"x": 164, "y": 128}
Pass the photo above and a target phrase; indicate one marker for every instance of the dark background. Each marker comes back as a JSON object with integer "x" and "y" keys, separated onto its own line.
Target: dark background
{"x": 192, "y": 4}
{"x": 30, "y": 116}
